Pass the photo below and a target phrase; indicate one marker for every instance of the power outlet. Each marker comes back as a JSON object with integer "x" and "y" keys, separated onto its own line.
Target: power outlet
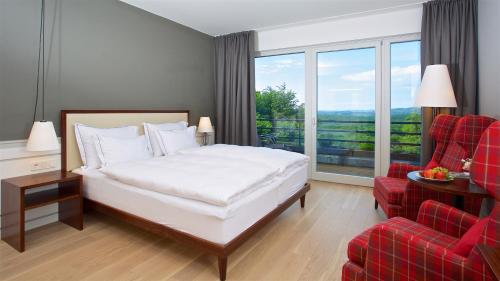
{"x": 42, "y": 165}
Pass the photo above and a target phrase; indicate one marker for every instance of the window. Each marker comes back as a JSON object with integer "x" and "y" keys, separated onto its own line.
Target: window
{"x": 349, "y": 106}
{"x": 280, "y": 98}
{"x": 405, "y": 117}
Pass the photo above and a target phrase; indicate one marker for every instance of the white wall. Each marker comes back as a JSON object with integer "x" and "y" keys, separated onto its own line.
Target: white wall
{"x": 380, "y": 24}
{"x": 489, "y": 60}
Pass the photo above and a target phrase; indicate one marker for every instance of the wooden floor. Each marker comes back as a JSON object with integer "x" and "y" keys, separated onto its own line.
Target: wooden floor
{"x": 301, "y": 244}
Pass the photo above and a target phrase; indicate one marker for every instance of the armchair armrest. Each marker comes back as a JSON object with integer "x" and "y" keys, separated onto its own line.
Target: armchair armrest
{"x": 445, "y": 219}
{"x": 398, "y": 255}
{"x": 401, "y": 170}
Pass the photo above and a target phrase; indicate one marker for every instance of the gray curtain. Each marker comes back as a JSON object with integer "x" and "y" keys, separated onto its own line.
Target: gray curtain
{"x": 235, "y": 89}
{"x": 449, "y": 36}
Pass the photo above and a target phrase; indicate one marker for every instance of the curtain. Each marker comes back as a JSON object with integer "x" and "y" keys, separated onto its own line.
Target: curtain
{"x": 235, "y": 89}
{"x": 449, "y": 36}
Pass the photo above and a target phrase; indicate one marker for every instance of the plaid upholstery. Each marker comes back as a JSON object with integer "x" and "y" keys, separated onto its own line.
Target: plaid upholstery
{"x": 464, "y": 141}
{"x": 357, "y": 247}
{"x": 352, "y": 272}
{"x": 489, "y": 237}
{"x": 441, "y": 131}
{"x": 445, "y": 219}
{"x": 455, "y": 139}
{"x": 453, "y": 156}
{"x": 391, "y": 210}
{"x": 485, "y": 169}
{"x": 391, "y": 189}
{"x": 387, "y": 194}
{"x": 415, "y": 194}
{"x": 400, "y": 249}
{"x": 399, "y": 255}
{"x": 401, "y": 170}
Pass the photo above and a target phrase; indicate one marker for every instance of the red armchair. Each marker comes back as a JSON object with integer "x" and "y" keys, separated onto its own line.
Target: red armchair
{"x": 456, "y": 139}
{"x": 432, "y": 247}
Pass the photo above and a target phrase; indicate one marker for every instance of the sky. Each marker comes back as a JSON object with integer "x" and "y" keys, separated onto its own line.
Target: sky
{"x": 346, "y": 79}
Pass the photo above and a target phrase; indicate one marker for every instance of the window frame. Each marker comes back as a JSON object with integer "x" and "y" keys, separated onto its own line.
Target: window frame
{"x": 382, "y": 103}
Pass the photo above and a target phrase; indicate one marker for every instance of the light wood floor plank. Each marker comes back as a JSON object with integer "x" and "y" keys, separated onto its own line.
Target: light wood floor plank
{"x": 301, "y": 244}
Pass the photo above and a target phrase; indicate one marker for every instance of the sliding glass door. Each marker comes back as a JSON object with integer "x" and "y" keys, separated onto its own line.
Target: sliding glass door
{"x": 349, "y": 106}
{"x": 346, "y": 113}
{"x": 345, "y": 127}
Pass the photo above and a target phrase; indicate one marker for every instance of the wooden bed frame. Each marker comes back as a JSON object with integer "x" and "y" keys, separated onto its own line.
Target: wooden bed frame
{"x": 222, "y": 251}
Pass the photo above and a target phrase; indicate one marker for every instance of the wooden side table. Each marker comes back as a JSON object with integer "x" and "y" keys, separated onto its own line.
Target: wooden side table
{"x": 492, "y": 257}
{"x": 15, "y": 202}
{"x": 459, "y": 187}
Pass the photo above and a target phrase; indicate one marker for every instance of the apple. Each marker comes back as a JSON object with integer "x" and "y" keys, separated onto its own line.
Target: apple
{"x": 441, "y": 175}
{"x": 429, "y": 174}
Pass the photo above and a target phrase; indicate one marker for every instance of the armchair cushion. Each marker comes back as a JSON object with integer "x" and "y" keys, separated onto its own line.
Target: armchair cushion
{"x": 391, "y": 189}
{"x": 445, "y": 218}
{"x": 401, "y": 255}
{"x": 470, "y": 238}
{"x": 357, "y": 247}
{"x": 441, "y": 130}
{"x": 464, "y": 141}
{"x": 452, "y": 158}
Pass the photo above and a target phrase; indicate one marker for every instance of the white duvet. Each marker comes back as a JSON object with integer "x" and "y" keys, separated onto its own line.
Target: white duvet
{"x": 214, "y": 180}
{"x": 217, "y": 174}
{"x": 274, "y": 158}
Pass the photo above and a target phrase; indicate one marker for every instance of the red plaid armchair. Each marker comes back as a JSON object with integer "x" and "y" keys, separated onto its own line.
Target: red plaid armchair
{"x": 456, "y": 139}
{"x": 432, "y": 247}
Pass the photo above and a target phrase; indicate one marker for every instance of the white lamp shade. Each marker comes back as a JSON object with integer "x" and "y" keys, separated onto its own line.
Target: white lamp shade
{"x": 436, "y": 89}
{"x": 205, "y": 126}
{"x": 42, "y": 137}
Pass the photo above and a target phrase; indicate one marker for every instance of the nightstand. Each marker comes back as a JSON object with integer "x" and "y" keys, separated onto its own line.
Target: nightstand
{"x": 15, "y": 202}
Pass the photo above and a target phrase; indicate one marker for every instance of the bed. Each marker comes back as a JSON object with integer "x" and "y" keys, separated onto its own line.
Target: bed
{"x": 216, "y": 229}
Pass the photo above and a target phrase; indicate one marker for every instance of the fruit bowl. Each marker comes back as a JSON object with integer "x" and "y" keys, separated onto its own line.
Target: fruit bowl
{"x": 437, "y": 174}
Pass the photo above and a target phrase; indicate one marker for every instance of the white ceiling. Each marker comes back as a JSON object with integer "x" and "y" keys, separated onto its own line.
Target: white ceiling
{"x": 217, "y": 17}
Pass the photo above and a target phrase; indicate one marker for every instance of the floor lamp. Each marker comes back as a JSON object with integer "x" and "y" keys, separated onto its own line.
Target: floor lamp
{"x": 435, "y": 96}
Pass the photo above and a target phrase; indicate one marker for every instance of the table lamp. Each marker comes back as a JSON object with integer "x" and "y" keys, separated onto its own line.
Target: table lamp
{"x": 205, "y": 127}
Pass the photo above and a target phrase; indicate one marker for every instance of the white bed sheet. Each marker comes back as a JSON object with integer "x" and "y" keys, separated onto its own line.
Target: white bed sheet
{"x": 213, "y": 223}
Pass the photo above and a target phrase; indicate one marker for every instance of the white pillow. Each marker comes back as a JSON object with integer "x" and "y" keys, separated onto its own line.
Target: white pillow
{"x": 113, "y": 150}
{"x": 175, "y": 140}
{"x": 85, "y": 137}
{"x": 151, "y": 135}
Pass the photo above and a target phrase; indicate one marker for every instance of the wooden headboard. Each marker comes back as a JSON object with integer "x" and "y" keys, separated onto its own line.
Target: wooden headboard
{"x": 70, "y": 155}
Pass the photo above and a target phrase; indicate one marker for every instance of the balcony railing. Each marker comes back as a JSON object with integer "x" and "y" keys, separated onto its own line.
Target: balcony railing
{"x": 350, "y": 142}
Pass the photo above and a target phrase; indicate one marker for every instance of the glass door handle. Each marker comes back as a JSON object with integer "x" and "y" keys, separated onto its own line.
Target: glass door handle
{"x": 314, "y": 121}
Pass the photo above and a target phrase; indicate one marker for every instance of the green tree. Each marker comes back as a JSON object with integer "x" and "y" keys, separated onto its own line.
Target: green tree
{"x": 276, "y": 103}
{"x": 278, "y": 107}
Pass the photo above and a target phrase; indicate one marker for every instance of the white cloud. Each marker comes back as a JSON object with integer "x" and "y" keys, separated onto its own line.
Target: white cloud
{"x": 409, "y": 70}
{"x": 277, "y": 66}
{"x": 326, "y": 68}
{"x": 365, "y": 76}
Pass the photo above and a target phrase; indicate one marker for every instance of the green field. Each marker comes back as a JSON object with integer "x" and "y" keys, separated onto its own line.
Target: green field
{"x": 280, "y": 115}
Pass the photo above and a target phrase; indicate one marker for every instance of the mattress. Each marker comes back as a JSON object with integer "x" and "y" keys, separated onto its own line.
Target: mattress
{"x": 218, "y": 224}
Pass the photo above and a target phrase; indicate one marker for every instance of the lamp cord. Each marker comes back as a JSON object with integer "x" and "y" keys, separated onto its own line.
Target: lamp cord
{"x": 43, "y": 60}
{"x": 40, "y": 55}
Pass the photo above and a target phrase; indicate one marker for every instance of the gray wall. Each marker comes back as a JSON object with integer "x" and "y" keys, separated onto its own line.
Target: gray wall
{"x": 100, "y": 54}
{"x": 489, "y": 57}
